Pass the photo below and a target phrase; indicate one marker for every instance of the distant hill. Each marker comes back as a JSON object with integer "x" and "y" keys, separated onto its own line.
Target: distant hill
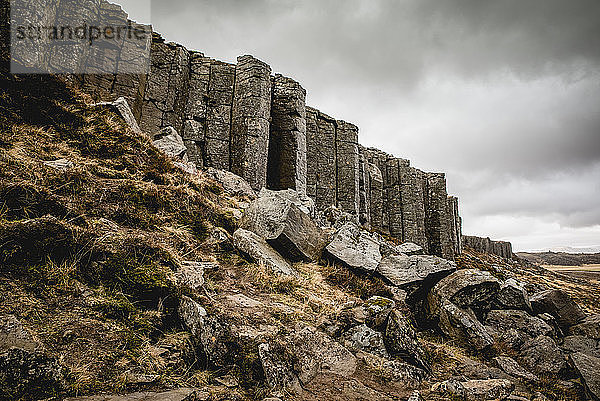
{"x": 560, "y": 258}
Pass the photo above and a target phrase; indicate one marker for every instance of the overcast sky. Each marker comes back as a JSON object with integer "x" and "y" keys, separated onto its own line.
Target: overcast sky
{"x": 503, "y": 96}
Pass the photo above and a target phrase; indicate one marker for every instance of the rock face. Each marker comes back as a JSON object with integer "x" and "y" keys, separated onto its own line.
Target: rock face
{"x": 463, "y": 326}
{"x": 258, "y": 250}
{"x": 355, "y": 247}
{"x": 486, "y": 245}
{"x": 232, "y": 183}
{"x": 467, "y": 288}
{"x": 283, "y": 225}
{"x": 589, "y": 370}
{"x": 513, "y": 295}
{"x": 558, "y": 304}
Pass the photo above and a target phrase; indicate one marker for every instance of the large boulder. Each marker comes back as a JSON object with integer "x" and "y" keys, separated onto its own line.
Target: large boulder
{"x": 515, "y": 327}
{"x": 588, "y": 368}
{"x": 558, "y": 304}
{"x": 258, "y": 250}
{"x": 463, "y": 326}
{"x": 589, "y": 327}
{"x": 469, "y": 288}
{"x": 542, "y": 355}
{"x": 232, "y": 183}
{"x": 513, "y": 295}
{"x": 401, "y": 340}
{"x": 414, "y": 274}
{"x": 285, "y": 227}
{"x": 121, "y": 108}
{"x": 355, "y": 247}
{"x": 303, "y": 202}
{"x": 171, "y": 144}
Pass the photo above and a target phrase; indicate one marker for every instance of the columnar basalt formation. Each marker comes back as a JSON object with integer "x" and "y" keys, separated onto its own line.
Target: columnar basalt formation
{"x": 241, "y": 118}
{"x": 486, "y": 245}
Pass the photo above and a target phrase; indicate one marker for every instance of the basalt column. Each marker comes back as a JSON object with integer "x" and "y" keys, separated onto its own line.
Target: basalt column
{"x": 195, "y": 123}
{"x": 436, "y": 219}
{"x": 218, "y": 115}
{"x": 364, "y": 217}
{"x": 287, "y": 141}
{"x": 250, "y": 121}
{"x": 455, "y": 224}
{"x": 166, "y": 89}
{"x": 394, "y": 196}
{"x": 346, "y": 143}
{"x": 379, "y": 159}
{"x": 412, "y": 190}
{"x": 321, "y": 158}
{"x": 375, "y": 196}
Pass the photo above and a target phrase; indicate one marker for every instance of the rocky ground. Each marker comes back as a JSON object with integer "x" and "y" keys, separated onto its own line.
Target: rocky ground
{"x": 127, "y": 275}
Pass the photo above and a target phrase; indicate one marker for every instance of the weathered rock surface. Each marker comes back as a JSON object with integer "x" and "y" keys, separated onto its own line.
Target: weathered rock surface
{"x": 376, "y": 311}
{"x": 182, "y": 394}
{"x": 258, "y": 250}
{"x": 171, "y": 144}
{"x": 355, "y": 247}
{"x": 278, "y": 369}
{"x": 13, "y": 334}
{"x": 192, "y": 315}
{"x": 476, "y": 390}
{"x": 588, "y": 368}
{"x": 285, "y": 227}
{"x": 589, "y": 327}
{"x": 463, "y": 326}
{"x": 393, "y": 370}
{"x": 415, "y": 396}
{"x": 527, "y": 327}
{"x": 541, "y": 355}
{"x": 467, "y": 288}
{"x": 363, "y": 338}
{"x": 60, "y": 164}
{"x": 512, "y": 368}
{"x": 303, "y": 202}
{"x": 401, "y": 340}
{"x": 232, "y": 183}
{"x": 414, "y": 274}
{"x": 409, "y": 248}
{"x": 190, "y": 274}
{"x": 121, "y": 107}
{"x": 513, "y": 295}
{"x": 586, "y": 345}
{"x": 560, "y": 305}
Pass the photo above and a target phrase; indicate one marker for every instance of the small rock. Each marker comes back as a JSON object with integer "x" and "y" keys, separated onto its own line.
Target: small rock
{"x": 363, "y": 338}
{"x": 258, "y": 250}
{"x": 560, "y": 305}
{"x": 60, "y": 164}
{"x": 278, "y": 370}
{"x": 512, "y": 368}
{"x": 13, "y": 334}
{"x": 171, "y": 144}
{"x": 121, "y": 107}
{"x": 588, "y": 368}
{"x": 410, "y": 248}
{"x": 219, "y": 238}
{"x": 355, "y": 247}
{"x": 244, "y": 301}
{"x": 192, "y": 314}
{"x": 232, "y": 184}
{"x": 304, "y": 203}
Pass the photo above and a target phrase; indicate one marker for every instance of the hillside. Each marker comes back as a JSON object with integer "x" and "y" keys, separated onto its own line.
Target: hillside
{"x": 561, "y": 258}
{"x": 120, "y": 274}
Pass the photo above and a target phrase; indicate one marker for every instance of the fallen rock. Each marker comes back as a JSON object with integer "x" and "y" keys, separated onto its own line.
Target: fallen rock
{"x": 414, "y": 274}
{"x": 558, "y": 304}
{"x": 285, "y": 227}
{"x": 588, "y": 368}
{"x": 542, "y": 355}
{"x": 401, "y": 341}
{"x": 476, "y": 390}
{"x": 182, "y": 394}
{"x": 30, "y": 375}
{"x": 469, "y": 288}
{"x": 232, "y": 183}
{"x": 513, "y": 295}
{"x": 190, "y": 274}
{"x": 258, "y": 250}
{"x": 463, "y": 326}
{"x": 409, "y": 248}
{"x": 527, "y": 327}
{"x": 278, "y": 369}
{"x": 393, "y": 370}
{"x": 192, "y": 314}
{"x": 589, "y": 327}
{"x": 304, "y": 203}
{"x": 586, "y": 345}
{"x": 355, "y": 247}
{"x": 121, "y": 107}
{"x": 512, "y": 368}
{"x": 376, "y": 311}
{"x": 13, "y": 334}
{"x": 363, "y": 338}
{"x": 171, "y": 144}
{"x": 60, "y": 164}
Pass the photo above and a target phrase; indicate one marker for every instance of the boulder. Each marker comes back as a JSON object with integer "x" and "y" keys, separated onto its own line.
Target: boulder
{"x": 285, "y": 227}
{"x": 476, "y": 390}
{"x": 376, "y": 311}
{"x": 232, "y": 183}
{"x": 121, "y": 108}
{"x": 401, "y": 341}
{"x": 469, "y": 288}
{"x": 181, "y": 394}
{"x": 512, "y": 368}
{"x": 410, "y": 248}
{"x": 586, "y": 345}
{"x": 414, "y": 274}
{"x": 193, "y": 315}
{"x": 527, "y": 327}
{"x": 278, "y": 370}
{"x": 463, "y": 326}
{"x": 258, "y": 250}
{"x": 171, "y": 144}
{"x": 363, "y": 338}
{"x": 60, "y": 164}
{"x": 541, "y": 355}
{"x": 588, "y": 368}
{"x": 355, "y": 247}
{"x": 393, "y": 370}
{"x": 190, "y": 274}
{"x": 13, "y": 334}
{"x": 558, "y": 304}
{"x": 303, "y": 202}
{"x": 589, "y": 327}
{"x": 513, "y": 295}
